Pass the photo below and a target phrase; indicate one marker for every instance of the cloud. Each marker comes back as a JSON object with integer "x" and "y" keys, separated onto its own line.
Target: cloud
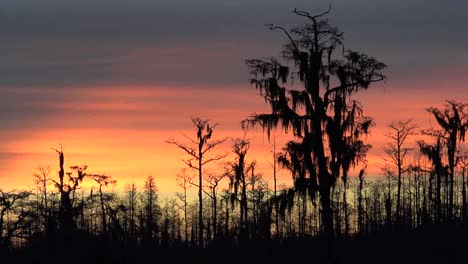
{"x": 67, "y": 43}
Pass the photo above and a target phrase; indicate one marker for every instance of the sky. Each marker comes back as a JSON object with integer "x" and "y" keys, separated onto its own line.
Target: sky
{"x": 111, "y": 80}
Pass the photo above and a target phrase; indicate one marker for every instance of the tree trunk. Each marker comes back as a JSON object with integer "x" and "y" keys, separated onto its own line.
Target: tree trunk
{"x": 215, "y": 214}
{"x": 464, "y": 208}
{"x": 185, "y": 215}
{"x": 345, "y": 206}
{"x": 103, "y": 211}
{"x": 200, "y": 196}
{"x": 399, "y": 165}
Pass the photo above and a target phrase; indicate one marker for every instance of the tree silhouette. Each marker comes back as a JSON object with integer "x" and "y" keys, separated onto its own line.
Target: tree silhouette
{"x": 360, "y": 207}
{"x": 238, "y": 181}
{"x": 9, "y": 201}
{"x": 184, "y": 181}
{"x": 453, "y": 120}
{"x": 67, "y": 187}
{"x": 151, "y": 211}
{"x": 397, "y": 152}
{"x": 434, "y": 154}
{"x": 200, "y": 147}
{"x": 103, "y": 181}
{"x": 463, "y": 159}
{"x": 213, "y": 180}
{"x": 41, "y": 179}
{"x": 275, "y": 191}
{"x": 314, "y": 111}
{"x": 131, "y": 196}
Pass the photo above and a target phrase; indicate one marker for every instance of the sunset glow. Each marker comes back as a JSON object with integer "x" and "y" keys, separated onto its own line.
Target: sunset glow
{"x": 122, "y": 131}
{"x": 113, "y": 92}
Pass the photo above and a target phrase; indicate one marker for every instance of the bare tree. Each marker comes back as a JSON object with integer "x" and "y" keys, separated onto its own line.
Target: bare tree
{"x": 184, "y": 181}
{"x": 397, "y": 152}
{"x": 41, "y": 179}
{"x": 213, "y": 180}
{"x": 197, "y": 151}
{"x": 131, "y": 193}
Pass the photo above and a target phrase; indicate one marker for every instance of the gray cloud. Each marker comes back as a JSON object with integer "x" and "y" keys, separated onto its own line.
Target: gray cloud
{"x": 64, "y": 44}
{"x": 51, "y": 42}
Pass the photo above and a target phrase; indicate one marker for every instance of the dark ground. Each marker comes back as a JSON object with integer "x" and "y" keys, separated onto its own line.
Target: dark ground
{"x": 434, "y": 245}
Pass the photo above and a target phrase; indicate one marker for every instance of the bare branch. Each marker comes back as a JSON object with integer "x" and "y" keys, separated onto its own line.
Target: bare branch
{"x": 188, "y": 150}
{"x": 306, "y": 14}
{"x": 272, "y": 27}
{"x": 214, "y": 159}
{"x": 211, "y": 145}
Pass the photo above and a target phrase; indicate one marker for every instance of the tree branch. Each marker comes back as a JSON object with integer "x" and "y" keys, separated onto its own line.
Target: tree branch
{"x": 185, "y": 148}
{"x": 273, "y": 27}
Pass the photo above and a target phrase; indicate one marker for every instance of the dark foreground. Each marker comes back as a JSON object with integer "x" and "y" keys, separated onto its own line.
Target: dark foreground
{"x": 435, "y": 245}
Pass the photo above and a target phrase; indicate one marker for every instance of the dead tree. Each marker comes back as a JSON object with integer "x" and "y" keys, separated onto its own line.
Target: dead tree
{"x": 197, "y": 151}
{"x": 184, "y": 182}
{"x": 397, "y": 151}
{"x": 213, "y": 181}
{"x": 41, "y": 179}
{"x": 66, "y": 187}
{"x": 131, "y": 195}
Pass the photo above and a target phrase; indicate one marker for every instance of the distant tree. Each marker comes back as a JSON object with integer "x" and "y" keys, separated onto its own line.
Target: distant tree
{"x": 360, "y": 206}
{"x": 318, "y": 109}
{"x": 258, "y": 197}
{"x": 389, "y": 175}
{"x": 151, "y": 210}
{"x": 397, "y": 152}
{"x": 132, "y": 204}
{"x": 10, "y": 202}
{"x": 170, "y": 223}
{"x": 463, "y": 159}
{"x": 184, "y": 181}
{"x": 41, "y": 179}
{"x": 213, "y": 180}
{"x": 103, "y": 181}
{"x": 275, "y": 190}
{"x": 197, "y": 151}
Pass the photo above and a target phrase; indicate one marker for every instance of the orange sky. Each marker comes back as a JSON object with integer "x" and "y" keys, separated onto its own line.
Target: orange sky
{"x": 122, "y": 131}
